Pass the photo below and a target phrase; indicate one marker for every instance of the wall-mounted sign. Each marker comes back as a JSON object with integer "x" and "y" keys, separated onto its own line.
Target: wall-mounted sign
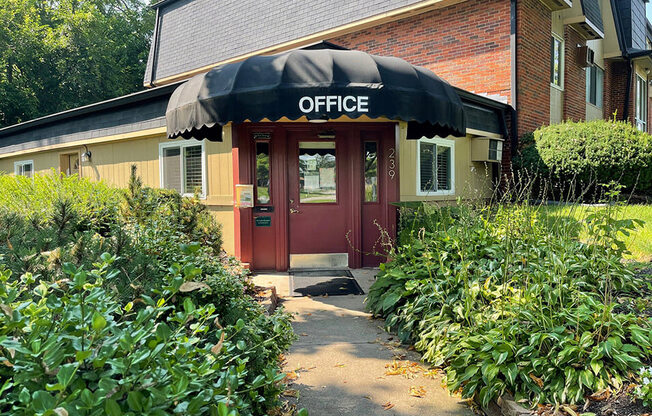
{"x": 244, "y": 195}
{"x": 326, "y": 103}
{"x": 261, "y": 135}
{"x": 263, "y": 221}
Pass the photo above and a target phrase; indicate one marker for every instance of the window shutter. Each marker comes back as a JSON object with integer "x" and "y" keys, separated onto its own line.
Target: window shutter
{"x": 172, "y": 168}
{"x": 426, "y": 166}
{"x": 193, "y": 170}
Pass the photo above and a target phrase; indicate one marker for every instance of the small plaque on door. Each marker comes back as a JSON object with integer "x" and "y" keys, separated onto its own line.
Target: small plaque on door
{"x": 263, "y": 221}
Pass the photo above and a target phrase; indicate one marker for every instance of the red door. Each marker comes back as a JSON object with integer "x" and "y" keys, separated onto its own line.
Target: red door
{"x": 318, "y": 192}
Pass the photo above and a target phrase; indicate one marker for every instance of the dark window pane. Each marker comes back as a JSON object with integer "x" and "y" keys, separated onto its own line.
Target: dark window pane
{"x": 317, "y": 182}
{"x": 371, "y": 171}
{"x": 262, "y": 173}
{"x": 443, "y": 168}
{"x": 427, "y": 166}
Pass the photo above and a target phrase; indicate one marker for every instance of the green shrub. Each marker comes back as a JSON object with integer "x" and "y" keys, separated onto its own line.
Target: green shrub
{"x": 154, "y": 351}
{"x": 509, "y": 302}
{"x": 598, "y": 151}
{"x": 68, "y": 348}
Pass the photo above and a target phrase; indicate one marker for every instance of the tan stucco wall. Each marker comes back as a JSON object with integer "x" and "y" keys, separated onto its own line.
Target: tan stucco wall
{"x": 111, "y": 162}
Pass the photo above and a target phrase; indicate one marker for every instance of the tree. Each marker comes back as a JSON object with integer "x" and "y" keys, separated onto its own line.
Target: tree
{"x": 61, "y": 54}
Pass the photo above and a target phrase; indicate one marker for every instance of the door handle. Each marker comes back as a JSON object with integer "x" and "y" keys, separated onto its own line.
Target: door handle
{"x": 294, "y": 211}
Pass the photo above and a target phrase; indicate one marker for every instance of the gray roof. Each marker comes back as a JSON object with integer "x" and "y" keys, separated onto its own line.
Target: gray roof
{"x": 191, "y": 34}
{"x": 129, "y": 113}
{"x": 591, "y": 9}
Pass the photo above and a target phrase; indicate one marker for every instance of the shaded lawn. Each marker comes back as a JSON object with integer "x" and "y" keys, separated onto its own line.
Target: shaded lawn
{"x": 638, "y": 242}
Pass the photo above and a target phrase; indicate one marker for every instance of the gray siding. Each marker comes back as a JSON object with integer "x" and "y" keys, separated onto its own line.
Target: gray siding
{"x": 135, "y": 116}
{"x": 633, "y": 22}
{"x": 591, "y": 9}
{"x": 196, "y": 33}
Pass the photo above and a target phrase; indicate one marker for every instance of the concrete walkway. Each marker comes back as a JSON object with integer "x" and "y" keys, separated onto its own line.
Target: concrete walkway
{"x": 339, "y": 363}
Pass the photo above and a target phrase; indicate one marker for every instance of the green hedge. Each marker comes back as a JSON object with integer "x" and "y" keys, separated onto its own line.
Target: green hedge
{"x": 598, "y": 151}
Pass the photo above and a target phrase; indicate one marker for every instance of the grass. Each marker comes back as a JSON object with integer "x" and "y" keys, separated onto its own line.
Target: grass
{"x": 639, "y": 243}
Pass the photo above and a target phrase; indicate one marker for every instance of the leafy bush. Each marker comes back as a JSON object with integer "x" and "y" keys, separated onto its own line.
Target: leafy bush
{"x": 598, "y": 151}
{"x": 124, "y": 303}
{"x": 509, "y": 303}
{"x": 69, "y": 348}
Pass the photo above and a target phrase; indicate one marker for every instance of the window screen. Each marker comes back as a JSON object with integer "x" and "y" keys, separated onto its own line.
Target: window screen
{"x": 427, "y": 166}
{"x": 443, "y": 168}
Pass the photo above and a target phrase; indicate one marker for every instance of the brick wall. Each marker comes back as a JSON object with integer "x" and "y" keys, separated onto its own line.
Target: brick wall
{"x": 534, "y": 27}
{"x": 466, "y": 44}
{"x": 575, "y": 77}
{"x": 615, "y": 85}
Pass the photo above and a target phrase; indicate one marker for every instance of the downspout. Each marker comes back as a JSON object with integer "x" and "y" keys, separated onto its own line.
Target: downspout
{"x": 514, "y": 77}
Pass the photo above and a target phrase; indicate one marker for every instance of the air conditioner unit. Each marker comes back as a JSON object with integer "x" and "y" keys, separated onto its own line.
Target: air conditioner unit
{"x": 486, "y": 149}
{"x": 585, "y": 56}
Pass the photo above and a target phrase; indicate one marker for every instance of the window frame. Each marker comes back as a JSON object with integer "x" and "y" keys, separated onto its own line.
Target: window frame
{"x": 562, "y": 63}
{"x": 588, "y": 86}
{"x": 641, "y": 123}
{"x": 255, "y": 173}
{"x": 438, "y": 141}
{"x": 20, "y": 163}
{"x": 181, "y": 144}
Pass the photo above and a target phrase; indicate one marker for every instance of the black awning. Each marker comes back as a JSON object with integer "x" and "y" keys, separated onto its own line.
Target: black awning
{"x": 317, "y": 84}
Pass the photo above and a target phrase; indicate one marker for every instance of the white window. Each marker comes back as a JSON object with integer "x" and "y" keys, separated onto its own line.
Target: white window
{"x": 435, "y": 167}
{"x": 182, "y": 166}
{"x": 24, "y": 168}
{"x": 557, "y": 62}
{"x": 594, "y": 82}
{"x": 641, "y": 103}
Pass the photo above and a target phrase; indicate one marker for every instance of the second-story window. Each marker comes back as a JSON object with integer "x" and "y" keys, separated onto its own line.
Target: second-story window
{"x": 557, "y": 62}
{"x": 594, "y": 80}
{"x": 641, "y": 103}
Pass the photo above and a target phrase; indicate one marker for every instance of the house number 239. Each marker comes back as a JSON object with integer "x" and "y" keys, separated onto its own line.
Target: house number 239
{"x": 391, "y": 166}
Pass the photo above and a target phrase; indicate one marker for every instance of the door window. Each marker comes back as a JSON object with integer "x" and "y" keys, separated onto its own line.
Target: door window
{"x": 317, "y": 181}
{"x": 370, "y": 172}
{"x": 262, "y": 173}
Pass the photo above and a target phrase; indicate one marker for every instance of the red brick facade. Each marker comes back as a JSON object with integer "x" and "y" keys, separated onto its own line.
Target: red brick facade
{"x": 534, "y": 28}
{"x": 615, "y": 85}
{"x": 575, "y": 77}
{"x": 467, "y": 44}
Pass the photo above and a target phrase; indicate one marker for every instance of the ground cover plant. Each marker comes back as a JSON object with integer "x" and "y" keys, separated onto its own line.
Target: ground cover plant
{"x": 121, "y": 302}
{"x": 508, "y": 299}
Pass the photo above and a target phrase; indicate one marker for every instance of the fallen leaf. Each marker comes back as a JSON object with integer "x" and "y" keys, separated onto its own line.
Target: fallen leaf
{"x": 7, "y": 363}
{"x": 303, "y": 334}
{"x": 291, "y": 376}
{"x": 190, "y": 286}
{"x": 340, "y": 365}
{"x": 568, "y": 410}
{"x": 536, "y": 380}
{"x": 407, "y": 369}
{"x": 417, "y": 391}
{"x": 6, "y": 309}
{"x": 60, "y": 411}
{"x": 367, "y": 397}
{"x": 290, "y": 393}
{"x": 308, "y": 314}
{"x": 601, "y": 395}
{"x": 388, "y": 405}
{"x": 432, "y": 373}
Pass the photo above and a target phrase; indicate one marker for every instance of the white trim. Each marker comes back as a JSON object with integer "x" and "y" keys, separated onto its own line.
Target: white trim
{"x": 437, "y": 141}
{"x": 181, "y": 144}
{"x": 21, "y": 163}
{"x": 562, "y": 63}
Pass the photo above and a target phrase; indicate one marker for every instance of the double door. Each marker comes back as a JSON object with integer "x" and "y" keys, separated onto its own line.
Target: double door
{"x": 321, "y": 194}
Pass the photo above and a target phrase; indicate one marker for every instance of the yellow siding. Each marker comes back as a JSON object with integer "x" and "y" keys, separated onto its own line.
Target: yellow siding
{"x": 111, "y": 162}
{"x": 472, "y": 179}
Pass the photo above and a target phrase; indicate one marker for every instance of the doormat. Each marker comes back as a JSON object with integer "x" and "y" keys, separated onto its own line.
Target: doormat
{"x": 324, "y": 282}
